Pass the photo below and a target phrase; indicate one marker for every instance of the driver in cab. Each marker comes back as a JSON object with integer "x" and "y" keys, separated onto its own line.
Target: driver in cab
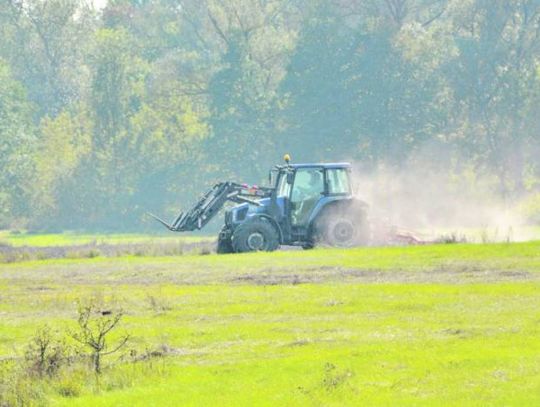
{"x": 308, "y": 189}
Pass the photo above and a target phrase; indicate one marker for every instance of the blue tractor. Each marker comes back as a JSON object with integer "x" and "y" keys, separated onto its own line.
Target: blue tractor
{"x": 307, "y": 205}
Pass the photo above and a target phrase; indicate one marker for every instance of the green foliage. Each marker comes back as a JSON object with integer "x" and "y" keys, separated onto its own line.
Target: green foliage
{"x": 65, "y": 142}
{"x": 18, "y": 142}
{"x": 138, "y": 106}
{"x": 312, "y": 126}
{"x": 45, "y": 43}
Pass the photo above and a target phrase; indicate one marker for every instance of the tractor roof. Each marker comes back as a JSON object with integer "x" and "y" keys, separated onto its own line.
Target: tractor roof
{"x": 323, "y": 165}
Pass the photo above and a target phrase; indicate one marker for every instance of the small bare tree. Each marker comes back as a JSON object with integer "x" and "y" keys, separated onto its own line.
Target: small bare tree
{"x": 46, "y": 352}
{"x": 95, "y": 325}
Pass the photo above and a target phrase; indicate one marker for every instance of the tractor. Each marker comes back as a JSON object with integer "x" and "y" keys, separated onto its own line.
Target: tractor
{"x": 306, "y": 205}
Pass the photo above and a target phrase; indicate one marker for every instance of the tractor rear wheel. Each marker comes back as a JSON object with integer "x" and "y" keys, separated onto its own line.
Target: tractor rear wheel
{"x": 345, "y": 232}
{"x": 342, "y": 227}
{"x": 255, "y": 235}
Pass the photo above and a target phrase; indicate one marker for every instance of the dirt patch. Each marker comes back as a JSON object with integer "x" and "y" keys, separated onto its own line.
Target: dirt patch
{"x": 269, "y": 279}
{"x": 40, "y": 288}
{"x": 517, "y": 275}
{"x": 327, "y": 274}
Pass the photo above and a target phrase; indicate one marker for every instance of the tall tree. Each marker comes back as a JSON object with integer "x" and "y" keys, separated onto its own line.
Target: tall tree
{"x": 49, "y": 39}
{"x": 16, "y": 146}
{"x": 496, "y": 83}
{"x": 317, "y": 93}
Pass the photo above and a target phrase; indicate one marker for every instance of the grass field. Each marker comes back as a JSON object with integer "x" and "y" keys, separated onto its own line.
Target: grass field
{"x": 425, "y": 325}
{"x": 74, "y": 239}
{"x": 17, "y": 247}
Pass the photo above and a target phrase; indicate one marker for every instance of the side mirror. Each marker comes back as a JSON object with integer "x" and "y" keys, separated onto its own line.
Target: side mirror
{"x": 290, "y": 178}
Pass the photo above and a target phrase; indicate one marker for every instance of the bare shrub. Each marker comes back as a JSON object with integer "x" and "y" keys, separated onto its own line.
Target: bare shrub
{"x": 95, "y": 324}
{"x": 46, "y": 353}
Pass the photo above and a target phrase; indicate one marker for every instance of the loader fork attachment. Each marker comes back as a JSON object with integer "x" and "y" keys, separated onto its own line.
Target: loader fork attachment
{"x": 210, "y": 204}
{"x": 172, "y": 226}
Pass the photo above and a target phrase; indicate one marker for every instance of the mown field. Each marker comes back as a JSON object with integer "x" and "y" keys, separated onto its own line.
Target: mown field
{"x": 425, "y": 325}
{"x": 75, "y": 239}
{"x": 17, "y": 247}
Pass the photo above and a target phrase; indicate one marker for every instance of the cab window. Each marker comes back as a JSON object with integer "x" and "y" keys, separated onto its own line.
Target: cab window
{"x": 307, "y": 190}
{"x": 283, "y": 188}
{"x": 308, "y": 184}
{"x": 338, "y": 181}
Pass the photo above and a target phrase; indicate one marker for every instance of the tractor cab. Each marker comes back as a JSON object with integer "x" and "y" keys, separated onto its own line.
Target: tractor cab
{"x": 302, "y": 191}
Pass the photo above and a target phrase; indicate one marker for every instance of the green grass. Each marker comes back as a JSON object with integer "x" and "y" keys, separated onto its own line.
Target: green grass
{"x": 73, "y": 239}
{"x": 427, "y": 325}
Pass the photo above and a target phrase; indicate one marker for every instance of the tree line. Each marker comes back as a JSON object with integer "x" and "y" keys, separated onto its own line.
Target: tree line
{"x": 106, "y": 113}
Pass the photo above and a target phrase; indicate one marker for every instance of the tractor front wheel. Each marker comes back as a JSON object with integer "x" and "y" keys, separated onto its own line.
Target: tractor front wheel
{"x": 224, "y": 243}
{"x": 255, "y": 235}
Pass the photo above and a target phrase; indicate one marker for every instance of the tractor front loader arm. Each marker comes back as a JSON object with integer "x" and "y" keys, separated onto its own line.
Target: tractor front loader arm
{"x": 211, "y": 203}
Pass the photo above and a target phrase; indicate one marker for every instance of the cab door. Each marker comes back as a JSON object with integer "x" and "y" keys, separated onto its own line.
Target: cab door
{"x": 307, "y": 190}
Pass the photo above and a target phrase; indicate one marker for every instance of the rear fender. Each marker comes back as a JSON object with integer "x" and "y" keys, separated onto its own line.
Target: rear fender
{"x": 325, "y": 203}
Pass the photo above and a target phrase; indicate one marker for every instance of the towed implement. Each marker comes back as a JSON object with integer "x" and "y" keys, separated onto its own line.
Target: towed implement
{"x": 306, "y": 205}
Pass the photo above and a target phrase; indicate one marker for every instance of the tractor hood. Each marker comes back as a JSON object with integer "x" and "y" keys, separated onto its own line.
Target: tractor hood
{"x": 239, "y": 213}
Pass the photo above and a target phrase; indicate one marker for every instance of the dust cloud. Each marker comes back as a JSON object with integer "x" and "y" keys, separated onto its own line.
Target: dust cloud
{"x": 434, "y": 201}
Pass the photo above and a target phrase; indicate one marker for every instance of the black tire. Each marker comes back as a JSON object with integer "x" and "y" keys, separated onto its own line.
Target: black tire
{"x": 255, "y": 235}
{"x": 345, "y": 232}
{"x": 224, "y": 243}
{"x": 343, "y": 227}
